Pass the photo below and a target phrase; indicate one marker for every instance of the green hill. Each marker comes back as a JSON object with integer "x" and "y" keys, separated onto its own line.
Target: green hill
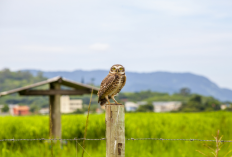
{"x": 10, "y": 80}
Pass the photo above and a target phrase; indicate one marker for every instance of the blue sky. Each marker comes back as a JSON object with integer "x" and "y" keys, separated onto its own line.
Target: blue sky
{"x": 143, "y": 35}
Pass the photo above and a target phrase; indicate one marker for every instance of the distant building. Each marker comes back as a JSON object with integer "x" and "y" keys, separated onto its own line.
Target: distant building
{"x": 166, "y": 106}
{"x": 224, "y": 106}
{"x": 44, "y": 111}
{"x": 131, "y": 106}
{"x": 21, "y": 110}
{"x": 11, "y": 108}
{"x": 69, "y": 105}
{"x": 142, "y": 103}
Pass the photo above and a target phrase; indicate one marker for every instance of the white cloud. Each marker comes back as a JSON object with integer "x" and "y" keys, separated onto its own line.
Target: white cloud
{"x": 99, "y": 47}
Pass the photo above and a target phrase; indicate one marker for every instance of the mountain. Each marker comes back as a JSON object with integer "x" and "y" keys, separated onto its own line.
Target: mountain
{"x": 155, "y": 81}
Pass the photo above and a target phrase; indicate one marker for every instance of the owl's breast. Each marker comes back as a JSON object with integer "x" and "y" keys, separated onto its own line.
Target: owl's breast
{"x": 116, "y": 85}
{"x": 120, "y": 81}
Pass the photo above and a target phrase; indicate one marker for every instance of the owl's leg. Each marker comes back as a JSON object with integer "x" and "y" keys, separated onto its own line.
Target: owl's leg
{"x": 114, "y": 99}
{"x": 107, "y": 99}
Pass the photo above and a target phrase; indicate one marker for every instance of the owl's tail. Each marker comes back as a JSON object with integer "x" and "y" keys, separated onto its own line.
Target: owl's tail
{"x": 103, "y": 101}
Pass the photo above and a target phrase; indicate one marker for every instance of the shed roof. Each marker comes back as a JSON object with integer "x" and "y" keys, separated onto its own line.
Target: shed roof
{"x": 62, "y": 81}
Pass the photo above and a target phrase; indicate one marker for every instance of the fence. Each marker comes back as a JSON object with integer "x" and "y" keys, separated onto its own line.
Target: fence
{"x": 103, "y": 139}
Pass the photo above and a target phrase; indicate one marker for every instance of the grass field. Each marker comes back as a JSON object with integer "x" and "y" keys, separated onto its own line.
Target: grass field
{"x": 138, "y": 125}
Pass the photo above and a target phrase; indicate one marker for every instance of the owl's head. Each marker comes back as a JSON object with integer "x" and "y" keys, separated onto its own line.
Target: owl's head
{"x": 117, "y": 68}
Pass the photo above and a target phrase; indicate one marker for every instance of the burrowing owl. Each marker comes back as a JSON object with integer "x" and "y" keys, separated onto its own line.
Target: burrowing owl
{"x": 112, "y": 84}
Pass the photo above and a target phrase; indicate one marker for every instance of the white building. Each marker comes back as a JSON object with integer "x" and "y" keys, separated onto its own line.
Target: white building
{"x": 44, "y": 111}
{"x": 131, "y": 106}
{"x": 166, "y": 106}
{"x": 68, "y": 105}
{"x": 224, "y": 106}
{"x": 142, "y": 103}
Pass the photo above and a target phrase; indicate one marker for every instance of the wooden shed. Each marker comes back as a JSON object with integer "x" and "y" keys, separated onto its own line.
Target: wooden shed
{"x": 54, "y": 92}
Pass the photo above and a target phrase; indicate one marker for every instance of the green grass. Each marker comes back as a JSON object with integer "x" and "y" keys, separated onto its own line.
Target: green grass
{"x": 138, "y": 125}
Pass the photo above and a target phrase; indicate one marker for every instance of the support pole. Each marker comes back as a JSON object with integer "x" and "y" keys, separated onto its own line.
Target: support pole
{"x": 55, "y": 112}
{"x": 115, "y": 130}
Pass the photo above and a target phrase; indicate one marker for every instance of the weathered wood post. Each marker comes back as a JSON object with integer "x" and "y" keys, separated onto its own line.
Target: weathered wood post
{"x": 55, "y": 111}
{"x": 115, "y": 130}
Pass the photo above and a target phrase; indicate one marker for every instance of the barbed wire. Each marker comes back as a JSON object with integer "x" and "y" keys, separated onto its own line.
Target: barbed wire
{"x": 53, "y": 139}
{"x": 129, "y": 139}
{"x": 163, "y": 139}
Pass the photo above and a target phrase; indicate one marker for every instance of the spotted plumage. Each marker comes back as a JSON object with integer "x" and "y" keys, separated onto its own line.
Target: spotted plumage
{"x": 112, "y": 84}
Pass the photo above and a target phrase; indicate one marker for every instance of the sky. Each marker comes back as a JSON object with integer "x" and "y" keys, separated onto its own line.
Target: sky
{"x": 143, "y": 35}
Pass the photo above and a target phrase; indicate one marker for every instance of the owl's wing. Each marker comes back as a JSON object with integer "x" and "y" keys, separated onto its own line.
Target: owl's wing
{"x": 124, "y": 81}
{"x": 107, "y": 81}
{"x": 123, "y": 84}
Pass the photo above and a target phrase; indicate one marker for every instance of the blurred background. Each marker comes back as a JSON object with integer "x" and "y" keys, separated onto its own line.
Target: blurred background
{"x": 177, "y": 56}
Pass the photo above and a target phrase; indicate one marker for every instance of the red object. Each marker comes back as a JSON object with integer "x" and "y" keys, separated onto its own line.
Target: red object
{"x": 21, "y": 110}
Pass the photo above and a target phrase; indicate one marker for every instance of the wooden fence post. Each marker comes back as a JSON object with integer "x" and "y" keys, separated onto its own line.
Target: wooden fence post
{"x": 115, "y": 130}
{"x": 55, "y": 112}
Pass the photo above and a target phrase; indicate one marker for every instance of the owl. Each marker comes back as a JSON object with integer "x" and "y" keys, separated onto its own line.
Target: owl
{"x": 112, "y": 84}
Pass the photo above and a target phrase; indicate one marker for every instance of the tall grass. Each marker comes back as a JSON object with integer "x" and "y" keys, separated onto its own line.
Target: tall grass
{"x": 138, "y": 125}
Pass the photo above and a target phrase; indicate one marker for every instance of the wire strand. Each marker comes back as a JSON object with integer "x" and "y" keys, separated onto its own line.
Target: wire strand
{"x": 102, "y": 139}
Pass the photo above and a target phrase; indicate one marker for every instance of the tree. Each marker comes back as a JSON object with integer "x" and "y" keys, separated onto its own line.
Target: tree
{"x": 199, "y": 103}
{"x": 145, "y": 108}
{"x": 196, "y": 98}
{"x": 5, "y": 108}
{"x": 185, "y": 91}
{"x": 193, "y": 105}
{"x": 34, "y": 108}
{"x": 212, "y": 104}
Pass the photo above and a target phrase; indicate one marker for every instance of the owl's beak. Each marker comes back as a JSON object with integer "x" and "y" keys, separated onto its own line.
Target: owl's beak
{"x": 117, "y": 70}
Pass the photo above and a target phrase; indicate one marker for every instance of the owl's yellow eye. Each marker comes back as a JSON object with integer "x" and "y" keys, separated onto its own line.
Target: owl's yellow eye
{"x": 121, "y": 69}
{"x": 114, "y": 69}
